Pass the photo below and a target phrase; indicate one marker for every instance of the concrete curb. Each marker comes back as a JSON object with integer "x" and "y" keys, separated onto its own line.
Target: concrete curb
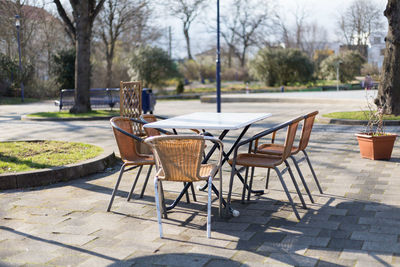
{"x": 353, "y": 122}
{"x": 26, "y": 118}
{"x": 258, "y": 99}
{"x": 56, "y": 174}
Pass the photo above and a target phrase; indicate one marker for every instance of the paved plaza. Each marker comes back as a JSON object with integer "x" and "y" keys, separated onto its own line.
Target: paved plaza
{"x": 356, "y": 222}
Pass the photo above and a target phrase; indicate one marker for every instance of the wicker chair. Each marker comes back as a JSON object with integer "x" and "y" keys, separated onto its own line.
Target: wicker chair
{"x": 128, "y": 148}
{"x": 277, "y": 149}
{"x": 178, "y": 159}
{"x": 148, "y": 118}
{"x": 265, "y": 160}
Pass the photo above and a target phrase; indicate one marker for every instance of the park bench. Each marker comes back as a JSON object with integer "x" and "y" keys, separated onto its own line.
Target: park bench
{"x": 99, "y": 97}
{"x": 105, "y": 97}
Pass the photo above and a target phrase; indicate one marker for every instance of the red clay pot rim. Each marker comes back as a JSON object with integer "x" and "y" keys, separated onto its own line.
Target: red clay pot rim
{"x": 367, "y": 135}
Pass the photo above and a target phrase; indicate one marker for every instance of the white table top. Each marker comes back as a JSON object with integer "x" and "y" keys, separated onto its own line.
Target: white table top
{"x": 209, "y": 121}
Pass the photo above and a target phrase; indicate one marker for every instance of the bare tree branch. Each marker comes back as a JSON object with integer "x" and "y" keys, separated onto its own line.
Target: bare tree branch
{"x": 69, "y": 26}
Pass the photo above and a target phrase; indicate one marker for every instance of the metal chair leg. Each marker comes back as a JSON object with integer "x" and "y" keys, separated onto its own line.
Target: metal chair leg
{"x": 220, "y": 192}
{"x": 158, "y": 207}
{"x": 244, "y": 184}
{"x": 193, "y": 192}
{"x": 267, "y": 182}
{"x": 287, "y": 192}
{"x": 250, "y": 184}
{"x": 302, "y": 178}
{"x": 295, "y": 185}
{"x": 162, "y": 198}
{"x": 134, "y": 183}
{"x": 145, "y": 182}
{"x": 116, "y": 187}
{"x": 312, "y": 171}
{"x": 209, "y": 208}
{"x": 186, "y": 194}
{"x": 233, "y": 173}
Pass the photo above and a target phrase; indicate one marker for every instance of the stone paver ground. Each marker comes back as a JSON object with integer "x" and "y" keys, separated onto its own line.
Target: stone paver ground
{"x": 356, "y": 222}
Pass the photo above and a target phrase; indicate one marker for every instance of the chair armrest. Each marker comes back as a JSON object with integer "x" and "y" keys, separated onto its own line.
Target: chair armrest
{"x": 161, "y": 117}
{"x": 143, "y": 121}
{"x": 221, "y": 151}
{"x": 258, "y": 136}
{"x": 137, "y": 138}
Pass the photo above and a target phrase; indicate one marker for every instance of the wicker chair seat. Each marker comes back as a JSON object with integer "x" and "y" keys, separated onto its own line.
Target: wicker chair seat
{"x": 275, "y": 149}
{"x": 204, "y": 174}
{"x": 257, "y": 160}
{"x": 141, "y": 160}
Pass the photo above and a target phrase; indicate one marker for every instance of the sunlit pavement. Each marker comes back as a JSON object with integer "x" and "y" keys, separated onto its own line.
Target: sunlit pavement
{"x": 356, "y": 222}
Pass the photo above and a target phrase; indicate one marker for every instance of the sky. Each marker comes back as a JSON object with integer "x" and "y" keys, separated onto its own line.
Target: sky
{"x": 324, "y": 12}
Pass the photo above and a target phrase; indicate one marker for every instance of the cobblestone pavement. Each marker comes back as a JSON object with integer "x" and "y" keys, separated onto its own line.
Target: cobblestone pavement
{"x": 356, "y": 222}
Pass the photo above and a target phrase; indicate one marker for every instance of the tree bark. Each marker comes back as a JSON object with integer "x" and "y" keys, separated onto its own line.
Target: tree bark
{"x": 82, "y": 61}
{"x": 109, "y": 59}
{"x": 389, "y": 87}
{"x": 84, "y": 12}
{"x": 186, "y": 33}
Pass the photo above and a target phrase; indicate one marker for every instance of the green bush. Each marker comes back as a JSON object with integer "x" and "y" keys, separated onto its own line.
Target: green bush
{"x": 189, "y": 69}
{"x": 152, "y": 66}
{"x": 235, "y": 74}
{"x": 7, "y": 68}
{"x": 180, "y": 87}
{"x": 11, "y": 77}
{"x": 38, "y": 88}
{"x": 63, "y": 68}
{"x": 207, "y": 67}
{"x": 279, "y": 66}
{"x": 350, "y": 64}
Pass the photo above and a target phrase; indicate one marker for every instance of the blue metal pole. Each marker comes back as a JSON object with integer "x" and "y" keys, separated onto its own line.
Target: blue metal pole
{"x": 218, "y": 64}
{"x": 20, "y": 64}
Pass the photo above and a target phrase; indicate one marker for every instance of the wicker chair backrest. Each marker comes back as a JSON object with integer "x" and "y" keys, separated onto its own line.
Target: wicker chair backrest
{"x": 306, "y": 131}
{"x": 127, "y": 146}
{"x": 178, "y": 158}
{"x": 150, "y": 131}
{"x": 290, "y": 136}
{"x": 130, "y": 97}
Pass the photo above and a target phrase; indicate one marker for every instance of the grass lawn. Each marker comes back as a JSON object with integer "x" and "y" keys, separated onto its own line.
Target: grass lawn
{"x": 356, "y": 115}
{"x": 25, "y": 156}
{"x": 66, "y": 114}
{"x": 16, "y": 100}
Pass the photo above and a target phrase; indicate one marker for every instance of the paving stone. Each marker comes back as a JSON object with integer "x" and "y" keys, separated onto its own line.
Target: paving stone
{"x": 325, "y": 253}
{"x": 341, "y": 243}
{"x": 221, "y": 263}
{"x": 244, "y": 256}
{"x": 335, "y": 233}
{"x": 389, "y": 247}
{"x": 361, "y": 255}
{"x": 67, "y": 222}
{"x": 293, "y": 259}
{"x": 354, "y": 227}
{"x": 306, "y": 241}
{"x": 375, "y": 237}
{"x": 336, "y": 263}
{"x": 384, "y": 229}
{"x": 344, "y": 219}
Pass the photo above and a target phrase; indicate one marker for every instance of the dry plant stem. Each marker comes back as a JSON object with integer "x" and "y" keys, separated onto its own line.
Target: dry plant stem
{"x": 374, "y": 116}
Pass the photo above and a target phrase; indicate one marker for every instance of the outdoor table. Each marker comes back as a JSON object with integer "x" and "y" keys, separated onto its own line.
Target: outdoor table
{"x": 211, "y": 121}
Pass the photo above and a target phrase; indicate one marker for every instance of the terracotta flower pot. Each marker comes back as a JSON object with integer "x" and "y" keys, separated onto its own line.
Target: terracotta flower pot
{"x": 376, "y": 147}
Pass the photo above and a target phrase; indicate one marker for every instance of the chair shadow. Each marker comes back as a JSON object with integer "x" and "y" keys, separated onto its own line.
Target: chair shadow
{"x": 181, "y": 259}
{"x": 331, "y": 229}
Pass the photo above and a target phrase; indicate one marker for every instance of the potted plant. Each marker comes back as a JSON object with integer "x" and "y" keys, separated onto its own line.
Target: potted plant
{"x": 374, "y": 142}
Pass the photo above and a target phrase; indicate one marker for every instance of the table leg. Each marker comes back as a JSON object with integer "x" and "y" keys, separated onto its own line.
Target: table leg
{"x": 226, "y": 157}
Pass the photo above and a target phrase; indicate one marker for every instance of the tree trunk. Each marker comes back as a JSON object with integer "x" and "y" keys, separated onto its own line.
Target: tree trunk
{"x": 186, "y": 33}
{"x": 389, "y": 87}
{"x": 109, "y": 59}
{"x": 82, "y": 61}
{"x": 243, "y": 57}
